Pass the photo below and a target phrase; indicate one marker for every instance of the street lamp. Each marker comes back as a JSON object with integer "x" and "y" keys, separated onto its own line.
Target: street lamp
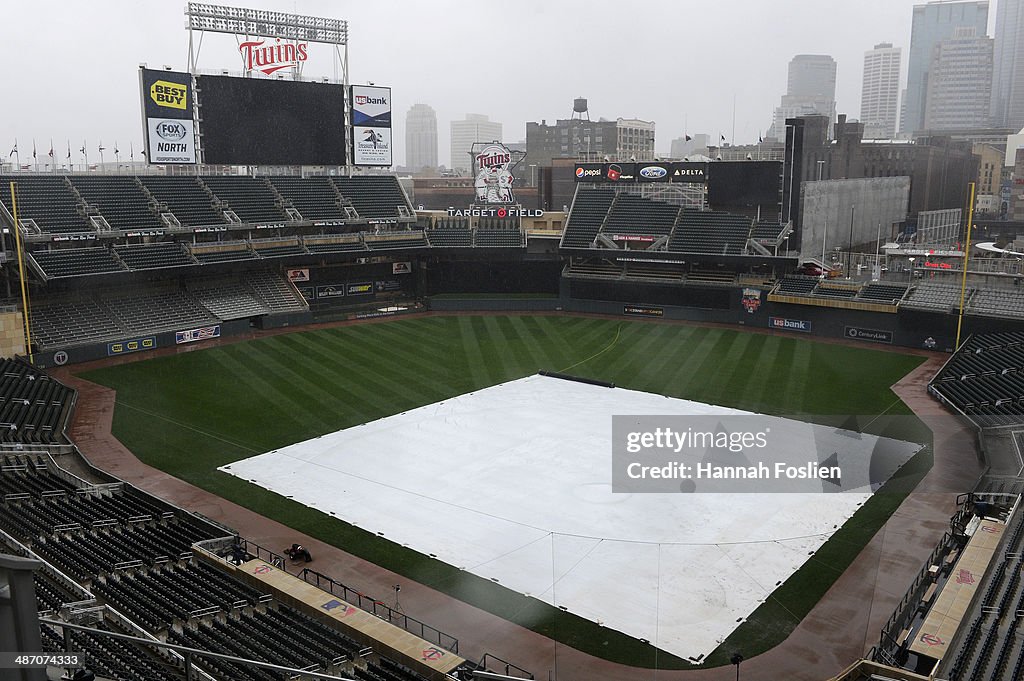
{"x": 911, "y": 259}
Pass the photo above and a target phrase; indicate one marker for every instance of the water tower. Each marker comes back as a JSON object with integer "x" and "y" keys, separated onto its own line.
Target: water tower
{"x": 579, "y": 108}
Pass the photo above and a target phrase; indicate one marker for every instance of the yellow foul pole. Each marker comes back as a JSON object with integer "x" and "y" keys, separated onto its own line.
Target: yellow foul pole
{"x": 963, "y": 278}
{"x": 21, "y": 276}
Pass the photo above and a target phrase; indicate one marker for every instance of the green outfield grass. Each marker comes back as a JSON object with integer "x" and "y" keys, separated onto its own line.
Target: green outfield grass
{"x": 190, "y": 413}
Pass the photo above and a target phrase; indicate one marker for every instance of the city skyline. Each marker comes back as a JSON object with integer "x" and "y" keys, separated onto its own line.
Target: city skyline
{"x": 152, "y": 32}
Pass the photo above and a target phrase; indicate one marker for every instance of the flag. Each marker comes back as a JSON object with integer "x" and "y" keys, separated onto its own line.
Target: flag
{"x": 116, "y": 152}
{"x": 760, "y": 139}
{"x": 33, "y": 148}
{"x": 102, "y": 148}
{"x": 14, "y": 151}
{"x": 69, "y": 148}
{"x": 83, "y": 148}
{"x": 51, "y": 148}
{"x": 131, "y": 151}
{"x": 688, "y": 138}
{"x": 722, "y": 136}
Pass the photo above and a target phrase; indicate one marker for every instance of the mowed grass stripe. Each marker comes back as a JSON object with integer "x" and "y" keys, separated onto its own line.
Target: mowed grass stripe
{"x": 627, "y": 361}
{"x": 288, "y": 404}
{"x": 353, "y": 401}
{"x": 550, "y": 332}
{"x": 542, "y": 357}
{"x": 396, "y": 340}
{"x": 475, "y": 365}
{"x": 393, "y": 376}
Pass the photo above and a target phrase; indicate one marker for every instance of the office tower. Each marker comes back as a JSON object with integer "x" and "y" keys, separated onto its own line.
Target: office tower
{"x": 811, "y": 89}
{"x": 420, "y": 137}
{"x": 1008, "y": 68}
{"x": 474, "y": 128}
{"x": 959, "y": 89}
{"x": 880, "y": 91}
{"x": 933, "y": 23}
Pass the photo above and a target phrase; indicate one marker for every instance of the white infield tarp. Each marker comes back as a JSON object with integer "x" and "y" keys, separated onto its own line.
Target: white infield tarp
{"x": 512, "y": 483}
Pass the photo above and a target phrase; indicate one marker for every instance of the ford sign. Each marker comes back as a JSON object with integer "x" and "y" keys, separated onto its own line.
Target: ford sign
{"x": 653, "y": 172}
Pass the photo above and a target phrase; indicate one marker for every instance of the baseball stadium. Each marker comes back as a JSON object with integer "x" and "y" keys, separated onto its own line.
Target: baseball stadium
{"x": 270, "y": 411}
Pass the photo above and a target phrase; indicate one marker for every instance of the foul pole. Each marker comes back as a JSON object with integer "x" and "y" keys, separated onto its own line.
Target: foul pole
{"x": 963, "y": 278}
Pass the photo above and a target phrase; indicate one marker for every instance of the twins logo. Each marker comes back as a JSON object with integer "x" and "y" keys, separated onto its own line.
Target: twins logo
{"x": 493, "y": 168}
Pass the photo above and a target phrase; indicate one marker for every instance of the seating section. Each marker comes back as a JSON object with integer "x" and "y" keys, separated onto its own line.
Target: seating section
{"x": 836, "y": 291}
{"x": 985, "y": 379}
{"x": 797, "y": 285}
{"x": 170, "y": 310}
{"x": 767, "y": 231}
{"x": 27, "y": 476}
{"x": 185, "y": 197}
{"x": 315, "y": 198}
{"x": 111, "y": 658}
{"x": 33, "y": 405}
{"x": 998, "y": 302}
{"x": 635, "y": 215}
{"x": 710, "y": 232}
{"x": 594, "y": 270}
{"x": 250, "y": 198}
{"x": 374, "y": 196}
{"x": 76, "y": 262}
{"x": 154, "y": 256}
{"x": 59, "y": 324}
{"x": 586, "y": 217}
{"x": 228, "y": 299}
{"x": 276, "y": 293}
{"x": 450, "y": 233}
{"x": 883, "y": 293}
{"x": 46, "y": 199}
{"x": 120, "y": 200}
{"x": 499, "y": 234}
{"x": 933, "y": 296}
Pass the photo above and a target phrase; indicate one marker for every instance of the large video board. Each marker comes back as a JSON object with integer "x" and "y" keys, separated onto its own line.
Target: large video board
{"x": 256, "y": 121}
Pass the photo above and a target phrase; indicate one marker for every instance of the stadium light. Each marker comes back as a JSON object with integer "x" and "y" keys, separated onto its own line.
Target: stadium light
{"x": 243, "y": 21}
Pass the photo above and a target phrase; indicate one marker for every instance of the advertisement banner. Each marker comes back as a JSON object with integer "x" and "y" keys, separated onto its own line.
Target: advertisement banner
{"x": 360, "y": 288}
{"x": 372, "y": 146}
{"x": 171, "y": 140}
{"x": 388, "y": 285}
{"x": 166, "y": 94}
{"x": 870, "y": 335}
{"x": 401, "y": 267}
{"x": 653, "y": 172}
{"x": 371, "y": 106}
{"x": 167, "y": 111}
{"x": 643, "y": 311}
{"x": 193, "y": 335}
{"x": 298, "y": 275}
{"x": 689, "y": 172}
{"x": 751, "y": 300}
{"x": 330, "y": 291}
{"x": 610, "y": 172}
{"x": 133, "y": 345}
{"x": 789, "y": 324}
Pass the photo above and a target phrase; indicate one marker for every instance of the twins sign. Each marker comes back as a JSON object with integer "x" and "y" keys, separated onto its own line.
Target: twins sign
{"x": 493, "y": 168}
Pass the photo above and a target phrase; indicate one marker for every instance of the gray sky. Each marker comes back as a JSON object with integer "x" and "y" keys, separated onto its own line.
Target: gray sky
{"x": 679, "y": 63}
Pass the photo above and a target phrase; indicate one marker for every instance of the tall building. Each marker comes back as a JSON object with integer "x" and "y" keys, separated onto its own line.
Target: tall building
{"x": 698, "y": 144}
{"x": 880, "y": 91}
{"x": 811, "y": 89}
{"x": 474, "y": 128}
{"x": 959, "y": 89}
{"x": 1008, "y": 68}
{"x": 420, "y": 137}
{"x": 931, "y": 24}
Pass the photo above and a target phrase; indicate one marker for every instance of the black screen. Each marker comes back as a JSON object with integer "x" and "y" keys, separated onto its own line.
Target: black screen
{"x": 744, "y": 186}
{"x": 251, "y": 121}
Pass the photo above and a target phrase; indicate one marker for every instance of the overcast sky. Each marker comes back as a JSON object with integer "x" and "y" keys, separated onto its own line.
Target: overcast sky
{"x": 72, "y": 64}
